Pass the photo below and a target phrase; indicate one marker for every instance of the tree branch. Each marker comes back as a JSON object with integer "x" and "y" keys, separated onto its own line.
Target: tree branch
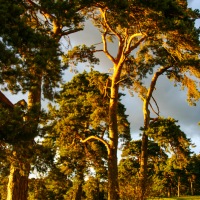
{"x": 130, "y": 48}
{"x": 148, "y": 97}
{"x": 131, "y": 39}
{"x": 158, "y": 113}
{"x": 160, "y": 71}
{"x": 123, "y": 79}
{"x": 71, "y": 31}
{"x": 56, "y": 25}
{"x": 103, "y": 12}
{"x": 153, "y": 109}
{"x": 96, "y": 138}
{"x": 105, "y": 48}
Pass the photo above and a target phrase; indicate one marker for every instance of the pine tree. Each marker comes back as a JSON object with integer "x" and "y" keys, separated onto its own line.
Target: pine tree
{"x": 149, "y": 35}
{"x": 30, "y": 62}
{"x": 80, "y": 126}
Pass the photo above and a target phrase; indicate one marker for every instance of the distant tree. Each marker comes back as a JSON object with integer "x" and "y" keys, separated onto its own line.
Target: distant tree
{"x": 54, "y": 185}
{"x": 167, "y": 134}
{"x": 163, "y": 173}
{"x": 193, "y": 174}
{"x": 129, "y": 167}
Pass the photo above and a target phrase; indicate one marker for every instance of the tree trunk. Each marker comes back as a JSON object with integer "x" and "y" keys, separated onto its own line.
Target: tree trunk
{"x": 143, "y": 167}
{"x": 78, "y": 186}
{"x": 144, "y": 153}
{"x": 191, "y": 187}
{"x": 113, "y": 186}
{"x": 146, "y": 115}
{"x": 20, "y": 166}
{"x": 179, "y": 185}
{"x": 78, "y": 194}
{"x": 18, "y": 182}
{"x": 169, "y": 191}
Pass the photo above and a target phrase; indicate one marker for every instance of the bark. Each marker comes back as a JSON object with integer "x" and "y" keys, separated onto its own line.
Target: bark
{"x": 169, "y": 192}
{"x": 143, "y": 167}
{"x": 20, "y": 166}
{"x": 179, "y": 185}
{"x": 191, "y": 187}
{"x": 78, "y": 194}
{"x": 113, "y": 186}
{"x": 146, "y": 115}
{"x": 18, "y": 181}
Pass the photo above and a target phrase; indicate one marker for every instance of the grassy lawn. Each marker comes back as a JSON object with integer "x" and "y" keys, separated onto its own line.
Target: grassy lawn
{"x": 177, "y": 198}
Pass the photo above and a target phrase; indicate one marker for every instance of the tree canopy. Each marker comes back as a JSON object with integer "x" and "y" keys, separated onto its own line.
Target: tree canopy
{"x": 76, "y": 140}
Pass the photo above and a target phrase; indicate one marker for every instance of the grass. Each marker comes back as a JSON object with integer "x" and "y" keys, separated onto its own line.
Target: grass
{"x": 177, "y": 198}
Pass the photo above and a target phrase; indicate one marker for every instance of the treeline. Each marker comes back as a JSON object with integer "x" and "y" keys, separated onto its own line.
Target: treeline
{"x": 70, "y": 157}
{"x": 74, "y": 143}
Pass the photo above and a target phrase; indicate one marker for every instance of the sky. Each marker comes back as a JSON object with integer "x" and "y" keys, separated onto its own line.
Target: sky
{"x": 171, "y": 100}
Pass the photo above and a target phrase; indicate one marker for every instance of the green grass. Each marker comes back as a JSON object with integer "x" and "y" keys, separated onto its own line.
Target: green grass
{"x": 177, "y": 198}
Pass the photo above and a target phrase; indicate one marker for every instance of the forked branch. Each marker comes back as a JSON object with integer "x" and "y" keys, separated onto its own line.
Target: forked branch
{"x": 130, "y": 47}
{"x": 107, "y": 24}
{"x": 105, "y": 48}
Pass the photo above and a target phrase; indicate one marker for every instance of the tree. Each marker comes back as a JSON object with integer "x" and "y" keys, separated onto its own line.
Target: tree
{"x": 80, "y": 124}
{"x": 163, "y": 173}
{"x": 30, "y": 61}
{"x": 149, "y": 35}
{"x": 54, "y": 185}
{"x": 129, "y": 167}
{"x": 168, "y": 135}
{"x": 193, "y": 172}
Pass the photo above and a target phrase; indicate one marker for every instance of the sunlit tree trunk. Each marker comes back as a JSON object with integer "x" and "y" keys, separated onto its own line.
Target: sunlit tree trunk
{"x": 20, "y": 165}
{"x": 18, "y": 181}
{"x": 169, "y": 192}
{"x": 144, "y": 153}
{"x": 113, "y": 186}
{"x": 146, "y": 115}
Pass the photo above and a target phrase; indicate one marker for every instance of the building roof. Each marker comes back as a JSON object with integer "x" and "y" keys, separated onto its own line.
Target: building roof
{"x": 5, "y": 101}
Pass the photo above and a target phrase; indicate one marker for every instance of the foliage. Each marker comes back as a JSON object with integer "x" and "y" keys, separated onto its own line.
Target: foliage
{"x": 154, "y": 38}
{"x": 94, "y": 189}
{"x": 82, "y": 112}
{"x": 168, "y": 135}
{"x": 130, "y": 164}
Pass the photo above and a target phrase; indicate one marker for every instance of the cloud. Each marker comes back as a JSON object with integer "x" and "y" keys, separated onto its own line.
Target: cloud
{"x": 171, "y": 100}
